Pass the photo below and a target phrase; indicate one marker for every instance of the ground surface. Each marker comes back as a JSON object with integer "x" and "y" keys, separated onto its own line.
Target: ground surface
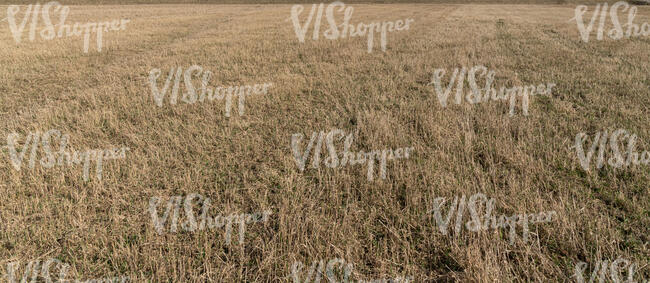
{"x": 245, "y": 164}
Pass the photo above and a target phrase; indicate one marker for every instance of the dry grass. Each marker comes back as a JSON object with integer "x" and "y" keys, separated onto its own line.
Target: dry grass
{"x": 252, "y": 2}
{"x": 244, "y": 164}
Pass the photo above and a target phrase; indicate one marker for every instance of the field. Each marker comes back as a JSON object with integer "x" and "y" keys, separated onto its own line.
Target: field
{"x": 245, "y": 163}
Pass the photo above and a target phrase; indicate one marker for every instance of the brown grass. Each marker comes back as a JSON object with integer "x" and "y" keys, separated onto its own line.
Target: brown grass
{"x": 244, "y": 163}
{"x": 257, "y": 2}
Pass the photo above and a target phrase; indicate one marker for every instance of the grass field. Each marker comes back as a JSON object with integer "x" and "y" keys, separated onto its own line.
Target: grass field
{"x": 253, "y": 2}
{"x": 244, "y": 163}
